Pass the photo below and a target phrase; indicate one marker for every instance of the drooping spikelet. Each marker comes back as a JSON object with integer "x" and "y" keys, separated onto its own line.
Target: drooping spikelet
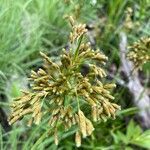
{"x": 139, "y": 52}
{"x": 63, "y": 88}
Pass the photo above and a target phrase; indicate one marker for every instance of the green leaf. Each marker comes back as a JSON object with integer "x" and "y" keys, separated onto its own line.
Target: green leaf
{"x": 115, "y": 137}
{"x": 138, "y": 132}
{"x": 143, "y": 140}
{"x": 128, "y": 111}
{"x": 133, "y": 131}
{"x": 128, "y": 148}
{"x": 130, "y": 129}
{"x": 1, "y": 138}
{"x": 122, "y": 137}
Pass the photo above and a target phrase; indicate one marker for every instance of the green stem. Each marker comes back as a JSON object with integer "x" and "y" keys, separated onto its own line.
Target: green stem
{"x": 40, "y": 140}
{"x": 77, "y": 99}
{"x": 77, "y": 50}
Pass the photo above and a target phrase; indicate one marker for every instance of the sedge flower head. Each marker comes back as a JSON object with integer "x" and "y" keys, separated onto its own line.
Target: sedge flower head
{"x": 61, "y": 89}
{"x": 139, "y": 52}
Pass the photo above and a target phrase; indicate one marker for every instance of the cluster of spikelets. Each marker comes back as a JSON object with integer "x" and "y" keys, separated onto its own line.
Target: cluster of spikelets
{"x": 60, "y": 90}
{"x": 139, "y": 52}
{"x": 128, "y": 23}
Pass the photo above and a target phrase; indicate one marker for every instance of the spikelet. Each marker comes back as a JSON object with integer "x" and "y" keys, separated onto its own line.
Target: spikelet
{"x": 77, "y": 30}
{"x": 60, "y": 89}
{"x": 82, "y": 123}
{"x": 128, "y": 23}
{"x": 78, "y": 139}
{"x": 89, "y": 127}
{"x": 94, "y": 113}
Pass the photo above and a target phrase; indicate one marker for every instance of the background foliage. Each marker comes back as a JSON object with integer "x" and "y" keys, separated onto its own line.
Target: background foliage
{"x": 30, "y": 26}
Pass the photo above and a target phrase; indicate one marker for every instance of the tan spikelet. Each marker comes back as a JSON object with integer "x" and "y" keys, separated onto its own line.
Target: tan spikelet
{"x": 89, "y": 127}
{"x": 78, "y": 139}
{"x": 82, "y": 123}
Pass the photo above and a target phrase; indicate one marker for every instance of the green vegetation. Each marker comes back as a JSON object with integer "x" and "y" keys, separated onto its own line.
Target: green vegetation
{"x": 30, "y": 26}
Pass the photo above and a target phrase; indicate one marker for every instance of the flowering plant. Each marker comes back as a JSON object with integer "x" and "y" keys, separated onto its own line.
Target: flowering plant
{"x": 61, "y": 89}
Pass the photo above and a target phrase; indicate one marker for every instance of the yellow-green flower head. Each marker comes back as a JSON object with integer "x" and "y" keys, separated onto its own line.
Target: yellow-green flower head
{"x": 139, "y": 52}
{"x": 62, "y": 91}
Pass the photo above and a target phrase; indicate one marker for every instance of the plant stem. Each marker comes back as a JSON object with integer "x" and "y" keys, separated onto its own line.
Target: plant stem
{"x": 77, "y": 99}
{"x": 77, "y": 50}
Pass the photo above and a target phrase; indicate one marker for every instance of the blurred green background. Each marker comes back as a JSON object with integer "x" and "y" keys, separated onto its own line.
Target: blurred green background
{"x": 30, "y": 26}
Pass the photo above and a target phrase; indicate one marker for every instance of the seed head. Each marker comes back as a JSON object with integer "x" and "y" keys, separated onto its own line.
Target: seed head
{"x": 139, "y": 52}
{"x": 59, "y": 90}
